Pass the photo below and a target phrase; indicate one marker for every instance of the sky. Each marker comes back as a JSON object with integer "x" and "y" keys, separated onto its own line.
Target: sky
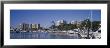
{"x": 45, "y": 17}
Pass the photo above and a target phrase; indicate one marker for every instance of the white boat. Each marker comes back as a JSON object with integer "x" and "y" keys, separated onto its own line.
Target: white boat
{"x": 70, "y": 32}
{"x": 34, "y": 31}
{"x": 64, "y": 31}
{"x": 42, "y": 31}
{"x": 24, "y": 31}
{"x": 83, "y": 36}
{"x": 97, "y": 34}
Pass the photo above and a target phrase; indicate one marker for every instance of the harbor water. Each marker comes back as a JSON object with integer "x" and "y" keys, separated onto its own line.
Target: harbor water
{"x": 42, "y": 35}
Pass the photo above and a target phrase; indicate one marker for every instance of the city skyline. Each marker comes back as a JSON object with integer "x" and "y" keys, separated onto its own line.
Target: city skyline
{"x": 45, "y": 17}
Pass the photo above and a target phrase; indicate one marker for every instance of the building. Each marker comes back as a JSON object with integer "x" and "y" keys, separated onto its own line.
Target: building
{"x": 72, "y": 22}
{"x": 11, "y": 28}
{"x": 57, "y": 23}
{"x": 75, "y": 22}
{"x": 78, "y": 24}
{"x": 60, "y": 22}
{"x": 20, "y": 27}
{"x": 34, "y": 26}
{"x": 38, "y": 26}
{"x": 53, "y": 23}
{"x": 23, "y": 27}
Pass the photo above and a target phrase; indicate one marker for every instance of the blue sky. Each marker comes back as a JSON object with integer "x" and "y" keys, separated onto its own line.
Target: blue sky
{"x": 44, "y": 17}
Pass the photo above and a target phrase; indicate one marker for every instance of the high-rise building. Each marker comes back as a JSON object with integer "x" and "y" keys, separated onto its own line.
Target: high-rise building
{"x": 23, "y": 26}
{"x": 60, "y": 22}
{"x": 38, "y": 26}
{"x": 72, "y": 22}
{"x": 34, "y": 26}
{"x": 20, "y": 27}
{"x": 57, "y": 23}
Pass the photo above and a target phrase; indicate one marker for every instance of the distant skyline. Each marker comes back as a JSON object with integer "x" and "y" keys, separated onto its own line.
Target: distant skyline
{"x": 45, "y": 17}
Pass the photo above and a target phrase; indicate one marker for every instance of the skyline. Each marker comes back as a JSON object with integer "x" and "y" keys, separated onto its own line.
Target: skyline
{"x": 44, "y": 17}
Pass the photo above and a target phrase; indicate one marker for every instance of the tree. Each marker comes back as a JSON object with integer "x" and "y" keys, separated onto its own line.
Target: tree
{"x": 95, "y": 25}
{"x": 87, "y": 25}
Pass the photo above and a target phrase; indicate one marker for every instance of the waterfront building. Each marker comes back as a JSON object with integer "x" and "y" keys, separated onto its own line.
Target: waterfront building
{"x": 38, "y": 26}
{"x": 78, "y": 23}
{"x": 75, "y": 22}
{"x": 53, "y": 23}
{"x": 11, "y": 28}
{"x": 60, "y": 22}
{"x": 20, "y": 27}
{"x": 72, "y": 22}
{"x": 23, "y": 27}
{"x": 57, "y": 23}
{"x": 35, "y": 27}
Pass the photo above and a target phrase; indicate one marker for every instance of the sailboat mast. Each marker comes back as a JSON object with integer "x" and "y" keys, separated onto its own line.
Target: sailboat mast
{"x": 91, "y": 19}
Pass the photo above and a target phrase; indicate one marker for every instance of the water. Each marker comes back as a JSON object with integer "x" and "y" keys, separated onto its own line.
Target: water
{"x": 41, "y": 35}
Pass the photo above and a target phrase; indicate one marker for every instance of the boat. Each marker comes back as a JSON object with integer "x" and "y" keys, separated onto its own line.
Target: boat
{"x": 17, "y": 31}
{"x": 97, "y": 34}
{"x": 70, "y": 32}
{"x": 23, "y": 31}
{"x": 64, "y": 31}
{"x": 34, "y": 31}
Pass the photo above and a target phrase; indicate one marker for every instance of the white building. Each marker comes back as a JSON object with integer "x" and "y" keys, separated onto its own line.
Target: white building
{"x": 72, "y": 22}
{"x": 23, "y": 26}
{"x": 59, "y": 22}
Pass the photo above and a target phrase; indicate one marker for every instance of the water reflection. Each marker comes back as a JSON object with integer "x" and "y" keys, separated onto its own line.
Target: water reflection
{"x": 41, "y": 35}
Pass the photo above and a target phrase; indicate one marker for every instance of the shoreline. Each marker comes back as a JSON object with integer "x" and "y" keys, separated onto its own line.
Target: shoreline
{"x": 56, "y": 33}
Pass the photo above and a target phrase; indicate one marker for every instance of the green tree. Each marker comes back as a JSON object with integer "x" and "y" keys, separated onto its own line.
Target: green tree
{"x": 95, "y": 25}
